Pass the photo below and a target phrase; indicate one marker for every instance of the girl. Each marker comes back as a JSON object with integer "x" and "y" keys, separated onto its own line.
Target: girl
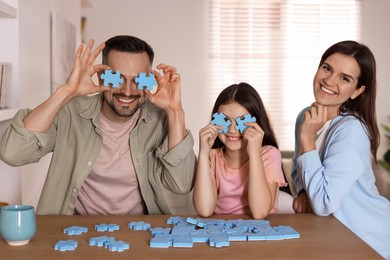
{"x": 238, "y": 173}
{"x": 336, "y": 141}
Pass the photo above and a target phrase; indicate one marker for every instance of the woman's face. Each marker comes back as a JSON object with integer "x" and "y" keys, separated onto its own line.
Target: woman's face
{"x": 336, "y": 80}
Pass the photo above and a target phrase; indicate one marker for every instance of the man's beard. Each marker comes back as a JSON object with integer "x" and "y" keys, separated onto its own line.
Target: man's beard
{"x": 124, "y": 111}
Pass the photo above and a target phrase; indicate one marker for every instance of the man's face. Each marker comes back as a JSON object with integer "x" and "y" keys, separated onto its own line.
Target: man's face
{"x": 121, "y": 103}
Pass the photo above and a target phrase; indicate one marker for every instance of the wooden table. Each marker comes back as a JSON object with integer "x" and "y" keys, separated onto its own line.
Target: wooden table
{"x": 321, "y": 238}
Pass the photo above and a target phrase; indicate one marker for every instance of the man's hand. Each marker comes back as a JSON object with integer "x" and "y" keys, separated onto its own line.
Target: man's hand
{"x": 80, "y": 81}
{"x": 167, "y": 96}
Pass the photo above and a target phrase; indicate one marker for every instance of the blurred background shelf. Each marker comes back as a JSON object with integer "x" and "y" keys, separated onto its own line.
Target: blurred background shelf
{"x": 7, "y": 11}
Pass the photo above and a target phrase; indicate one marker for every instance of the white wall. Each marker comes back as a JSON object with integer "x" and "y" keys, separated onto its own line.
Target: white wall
{"x": 177, "y": 30}
{"x": 35, "y": 41}
{"x": 10, "y": 177}
{"x": 32, "y": 81}
{"x": 376, "y": 35}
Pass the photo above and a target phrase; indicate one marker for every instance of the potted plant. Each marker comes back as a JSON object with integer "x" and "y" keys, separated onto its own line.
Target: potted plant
{"x": 386, "y": 158}
{"x": 382, "y": 169}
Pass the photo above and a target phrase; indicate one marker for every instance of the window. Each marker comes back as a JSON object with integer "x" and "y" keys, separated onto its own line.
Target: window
{"x": 275, "y": 46}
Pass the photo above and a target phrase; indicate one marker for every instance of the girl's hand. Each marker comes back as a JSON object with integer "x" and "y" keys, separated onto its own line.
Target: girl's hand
{"x": 167, "y": 96}
{"x": 254, "y": 136}
{"x": 80, "y": 81}
{"x": 207, "y": 136}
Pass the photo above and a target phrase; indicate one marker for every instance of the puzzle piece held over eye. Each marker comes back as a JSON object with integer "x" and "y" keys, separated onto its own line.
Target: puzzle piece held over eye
{"x": 145, "y": 81}
{"x": 219, "y": 119}
{"x": 244, "y": 119}
{"x": 111, "y": 78}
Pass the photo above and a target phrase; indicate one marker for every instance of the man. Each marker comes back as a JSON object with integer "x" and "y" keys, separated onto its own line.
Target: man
{"x": 113, "y": 152}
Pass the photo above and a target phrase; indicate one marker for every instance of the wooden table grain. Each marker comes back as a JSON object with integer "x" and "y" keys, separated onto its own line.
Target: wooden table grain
{"x": 321, "y": 238}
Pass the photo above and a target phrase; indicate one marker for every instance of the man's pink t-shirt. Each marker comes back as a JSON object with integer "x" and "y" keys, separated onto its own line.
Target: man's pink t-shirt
{"x": 232, "y": 184}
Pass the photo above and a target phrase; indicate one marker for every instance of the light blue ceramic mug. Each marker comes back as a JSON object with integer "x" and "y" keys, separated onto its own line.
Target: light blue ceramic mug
{"x": 17, "y": 224}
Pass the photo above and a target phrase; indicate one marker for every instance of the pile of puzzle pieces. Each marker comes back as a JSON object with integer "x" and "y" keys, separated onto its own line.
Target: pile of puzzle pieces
{"x": 216, "y": 232}
{"x": 184, "y": 233}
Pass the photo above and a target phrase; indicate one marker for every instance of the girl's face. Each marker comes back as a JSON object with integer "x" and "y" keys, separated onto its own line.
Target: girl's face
{"x": 336, "y": 80}
{"x": 233, "y": 139}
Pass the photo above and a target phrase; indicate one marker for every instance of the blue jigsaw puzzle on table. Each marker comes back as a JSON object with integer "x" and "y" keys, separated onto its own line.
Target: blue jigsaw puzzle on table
{"x": 244, "y": 119}
{"x": 219, "y": 119}
{"x": 106, "y": 227}
{"x": 145, "y": 81}
{"x": 160, "y": 230}
{"x": 196, "y": 222}
{"x": 219, "y": 239}
{"x": 109, "y": 77}
{"x": 217, "y": 232}
{"x": 99, "y": 241}
{"x": 75, "y": 230}
{"x": 138, "y": 225}
{"x": 65, "y": 245}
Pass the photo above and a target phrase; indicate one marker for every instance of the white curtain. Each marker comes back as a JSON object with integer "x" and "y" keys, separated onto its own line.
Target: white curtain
{"x": 275, "y": 45}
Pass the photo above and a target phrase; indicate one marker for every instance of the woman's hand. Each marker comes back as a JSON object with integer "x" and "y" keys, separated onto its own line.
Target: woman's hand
{"x": 301, "y": 204}
{"x": 315, "y": 118}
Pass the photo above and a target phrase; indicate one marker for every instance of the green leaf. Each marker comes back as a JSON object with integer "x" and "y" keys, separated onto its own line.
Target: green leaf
{"x": 385, "y": 165}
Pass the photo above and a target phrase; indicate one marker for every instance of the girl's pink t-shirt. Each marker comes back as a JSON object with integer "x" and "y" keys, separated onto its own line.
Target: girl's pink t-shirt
{"x": 232, "y": 184}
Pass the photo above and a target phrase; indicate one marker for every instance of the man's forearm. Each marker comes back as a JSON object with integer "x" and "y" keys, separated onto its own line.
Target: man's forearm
{"x": 177, "y": 128}
{"x": 41, "y": 118}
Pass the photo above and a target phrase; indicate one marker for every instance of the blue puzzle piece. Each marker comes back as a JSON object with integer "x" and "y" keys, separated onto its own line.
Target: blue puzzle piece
{"x": 219, "y": 119}
{"x": 182, "y": 240}
{"x": 106, "y": 227}
{"x": 161, "y": 241}
{"x": 174, "y": 220}
{"x": 118, "y": 246}
{"x": 237, "y": 236}
{"x": 99, "y": 241}
{"x": 138, "y": 225}
{"x": 287, "y": 232}
{"x": 196, "y": 222}
{"x": 244, "y": 119}
{"x": 75, "y": 230}
{"x": 219, "y": 240}
{"x": 145, "y": 81}
{"x": 199, "y": 235}
{"x": 65, "y": 245}
{"x": 109, "y": 77}
{"x": 160, "y": 230}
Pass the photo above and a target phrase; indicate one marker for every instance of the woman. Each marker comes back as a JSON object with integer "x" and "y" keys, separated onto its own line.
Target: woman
{"x": 337, "y": 138}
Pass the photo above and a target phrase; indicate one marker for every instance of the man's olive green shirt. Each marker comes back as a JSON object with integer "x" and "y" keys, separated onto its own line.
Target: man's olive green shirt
{"x": 75, "y": 139}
